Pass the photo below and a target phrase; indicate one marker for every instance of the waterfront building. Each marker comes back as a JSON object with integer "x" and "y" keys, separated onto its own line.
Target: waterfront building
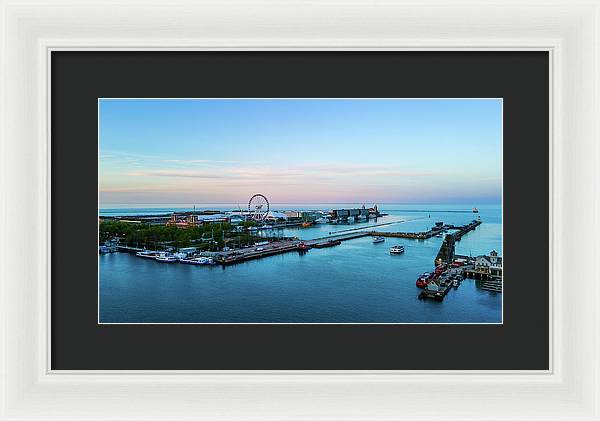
{"x": 309, "y": 215}
{"x": 490, "y": 265}
{"x": 235, "y": 218}
{"x": 183, "y": 219}
{"x": 276, "y": 216}
{"x": 349, "y": 213}
{"x": 188, "y": 219}
{"x": 186, "y": 252}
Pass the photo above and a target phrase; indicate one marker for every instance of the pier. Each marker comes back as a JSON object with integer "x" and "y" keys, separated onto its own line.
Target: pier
{"x": 242, "y": 255}
{"x": 446, "y": 254}
{"x": 409, "y": 235}
{"x": 463, "y": 229}
{"x": 129, "y": 249}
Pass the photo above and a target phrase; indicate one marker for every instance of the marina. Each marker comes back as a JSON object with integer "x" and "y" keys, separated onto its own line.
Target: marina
{"x": 304, "y": 243}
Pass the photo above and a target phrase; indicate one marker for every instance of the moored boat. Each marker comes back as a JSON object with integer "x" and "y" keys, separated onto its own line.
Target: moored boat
{"x": 146, "y": 253}
{"x": 423, "y": 279}
{"x": 378, "y": 240}
{"x": 421, "y": 283}
{"x": 164, "y": 257}
{"x": 197, "y": 261}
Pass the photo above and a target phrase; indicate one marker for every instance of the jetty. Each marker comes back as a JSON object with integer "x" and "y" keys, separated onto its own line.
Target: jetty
{"x": 249, "y": 253}
{"x": 446, "y": 254}
{"x": 410, "y": 235}
{"x": 129, "y": 249}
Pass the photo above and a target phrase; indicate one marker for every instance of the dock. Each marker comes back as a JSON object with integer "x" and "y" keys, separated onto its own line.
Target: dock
{"x": 493, "y": 285}
{"x": 463, "y": 229}
{"x": 341, "y": 237}
{"x": 130, "y": 249}
{"x": 446, "y": 252}
{"x": 250, "y": 253}
{"x": 410, "y": 235}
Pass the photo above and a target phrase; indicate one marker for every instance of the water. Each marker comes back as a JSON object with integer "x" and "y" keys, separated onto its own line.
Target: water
{"x": 355, "y": 282}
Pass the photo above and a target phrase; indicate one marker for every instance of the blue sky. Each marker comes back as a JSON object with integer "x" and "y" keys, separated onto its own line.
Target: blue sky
{"x": 158, "y": 151}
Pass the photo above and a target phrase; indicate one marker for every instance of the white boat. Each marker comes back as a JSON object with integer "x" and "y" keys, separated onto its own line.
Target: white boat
{"x": 378, "y": 240}
{"x": 165, "y": 257}
{"x": 197, "y": 261}
{"x": 146, "y": 253}
{"x": 455, "y": 283}
{"x": 397, "y": 250}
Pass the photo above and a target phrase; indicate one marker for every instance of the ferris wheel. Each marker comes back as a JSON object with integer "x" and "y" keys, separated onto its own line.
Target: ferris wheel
{"x": 258, "y": 207}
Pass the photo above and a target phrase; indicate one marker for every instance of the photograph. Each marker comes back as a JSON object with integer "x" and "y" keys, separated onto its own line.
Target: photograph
{"x": 300, "y": 210}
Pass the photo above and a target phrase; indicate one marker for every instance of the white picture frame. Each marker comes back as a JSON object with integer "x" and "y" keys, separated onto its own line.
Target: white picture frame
{"x": 30, "y": 30}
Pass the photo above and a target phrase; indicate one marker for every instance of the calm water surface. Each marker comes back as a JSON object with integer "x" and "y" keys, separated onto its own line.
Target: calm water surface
{"x": 356, "y": 282}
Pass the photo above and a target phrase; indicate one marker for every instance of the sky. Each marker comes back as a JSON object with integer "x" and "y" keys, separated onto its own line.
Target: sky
{"x": 202, "y": 151}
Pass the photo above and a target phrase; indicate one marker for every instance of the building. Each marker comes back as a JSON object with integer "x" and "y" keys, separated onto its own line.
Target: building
{"x": 276, "y": 216}
{"x": 490, "y": 265}
{"x": 188, "y": 219}
{"x": 292, "y": 214}
{"x": 235, "y": 218}
{"x": 350, "y": 213}
{"x": 186, "y": 252}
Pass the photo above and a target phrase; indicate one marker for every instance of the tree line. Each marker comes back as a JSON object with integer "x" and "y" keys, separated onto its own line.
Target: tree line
{"x": 206, "y": 237}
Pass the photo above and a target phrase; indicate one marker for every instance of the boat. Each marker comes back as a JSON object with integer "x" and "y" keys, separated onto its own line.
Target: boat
{"x": 303, "y": 246}
{"x": 455, "y": 283}
{"x": 164, "y": 257}
{"x": 475, "y": 210}
{"x": 329, "y": 243}
{"x": 421, "y": 283}
{"x": 423, "y": 279}
{"x": 146, "y": 253}
{"x": 197, "y": 261}
{"x": 104, "y": 249}
{"x": 306, "y": 224}
{"x": 378, "y": 240}
{"x": 397, "y": 250}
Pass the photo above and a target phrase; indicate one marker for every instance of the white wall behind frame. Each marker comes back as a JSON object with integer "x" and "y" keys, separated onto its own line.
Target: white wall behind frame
{"x": 29, "y": 28}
